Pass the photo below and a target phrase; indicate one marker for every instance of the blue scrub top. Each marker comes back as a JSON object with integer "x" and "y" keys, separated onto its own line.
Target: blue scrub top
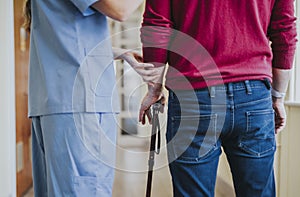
{"x": 71, "y": 61}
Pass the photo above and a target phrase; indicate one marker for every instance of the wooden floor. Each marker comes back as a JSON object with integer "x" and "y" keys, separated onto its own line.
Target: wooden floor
{"x": 131, "y": 177}
{"x": 131, "y": 182}
{"x": 131, "y": 173}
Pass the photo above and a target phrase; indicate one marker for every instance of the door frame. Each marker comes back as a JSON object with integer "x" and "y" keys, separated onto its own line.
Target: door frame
{"x": 7, "y": 101}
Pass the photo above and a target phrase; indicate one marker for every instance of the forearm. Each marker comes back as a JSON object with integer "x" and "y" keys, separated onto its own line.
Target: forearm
{"x": 116, "y": 9}
{"x": 281, "y": 79}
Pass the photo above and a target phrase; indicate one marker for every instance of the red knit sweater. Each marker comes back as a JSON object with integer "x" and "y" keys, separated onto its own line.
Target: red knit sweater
{"x": 210, "y": 42}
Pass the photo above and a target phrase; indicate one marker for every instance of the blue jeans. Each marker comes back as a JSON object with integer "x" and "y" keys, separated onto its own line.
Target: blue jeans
{"x": 238, "y": 117}
{"x": 73, "y": 154}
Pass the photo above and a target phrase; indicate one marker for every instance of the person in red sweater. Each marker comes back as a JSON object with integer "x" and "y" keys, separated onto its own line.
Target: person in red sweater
{"x": 229, "y": 63}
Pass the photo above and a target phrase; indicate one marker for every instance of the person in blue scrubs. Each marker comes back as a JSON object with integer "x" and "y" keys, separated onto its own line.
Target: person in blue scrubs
{"x": 72, "y": 94}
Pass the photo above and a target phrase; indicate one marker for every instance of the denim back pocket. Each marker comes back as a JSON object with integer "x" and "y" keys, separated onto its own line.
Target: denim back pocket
{"x": 259, "y": 138}
{"x": 192, "y": 138}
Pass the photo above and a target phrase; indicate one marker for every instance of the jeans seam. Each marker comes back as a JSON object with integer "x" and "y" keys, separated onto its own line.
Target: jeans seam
{"x": 253, "y": 102}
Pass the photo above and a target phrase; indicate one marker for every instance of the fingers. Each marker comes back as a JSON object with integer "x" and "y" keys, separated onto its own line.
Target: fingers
{"x": 138, "y": 57}
{"x": 163, "y": 102}
{"x": 144, "y": 66}
{"x": 135, "y": 60}
{"x": 149, "y": 73}
{"x": 146, "y": 104}
{"x": 279, "y": 127}
{"x": 280, "y": 123}
{"x": 132, "y": 58}
{"x": 280, "y": 116}
{"x": 144, "y": 109}
{"x": 149, "y": 116}
{"x": 143, "y": 114}
{"x": 144, "y": 69}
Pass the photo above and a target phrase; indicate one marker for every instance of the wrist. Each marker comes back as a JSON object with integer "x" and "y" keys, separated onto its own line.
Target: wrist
{"x": 124, "y": 55}
{"x": 277, "y": 100}
{"x": 155, "y": 89}
{"x": 276, "y": 94}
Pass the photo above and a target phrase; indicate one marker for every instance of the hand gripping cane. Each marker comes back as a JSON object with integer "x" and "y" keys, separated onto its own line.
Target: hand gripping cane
{"x": 154, "y": 144}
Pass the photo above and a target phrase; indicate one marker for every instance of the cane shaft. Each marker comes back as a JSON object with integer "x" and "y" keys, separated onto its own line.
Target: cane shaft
{"x": 154, "y": 135}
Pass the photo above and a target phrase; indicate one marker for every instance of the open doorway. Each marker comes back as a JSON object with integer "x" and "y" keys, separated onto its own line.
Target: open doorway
{"x": 23, "y": 130}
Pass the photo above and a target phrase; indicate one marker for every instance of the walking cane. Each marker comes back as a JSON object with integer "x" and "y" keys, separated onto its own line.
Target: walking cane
{"x": 154, "y": 144}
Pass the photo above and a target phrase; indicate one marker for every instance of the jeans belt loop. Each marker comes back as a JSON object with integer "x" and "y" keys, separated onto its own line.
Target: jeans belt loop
{"x": 212, "y": 91}
{"x": 267, "y": 83}
{"x": 248, "y": 87}
{"x": 230, "y": 89}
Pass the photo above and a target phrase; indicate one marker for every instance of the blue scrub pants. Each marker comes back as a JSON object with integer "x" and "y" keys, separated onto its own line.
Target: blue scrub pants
{"x": 73, "y": 154}
{"x": 238, "y": 117}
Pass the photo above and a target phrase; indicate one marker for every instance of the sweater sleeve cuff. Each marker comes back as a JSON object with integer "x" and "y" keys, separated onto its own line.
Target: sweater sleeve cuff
{"x": 156, "y": 56}
{"x": 283, "y": 61}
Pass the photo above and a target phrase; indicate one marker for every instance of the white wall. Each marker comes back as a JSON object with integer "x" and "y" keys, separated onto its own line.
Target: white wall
{"x": 7, "y": 101}
{"x": 288, "y": 179}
